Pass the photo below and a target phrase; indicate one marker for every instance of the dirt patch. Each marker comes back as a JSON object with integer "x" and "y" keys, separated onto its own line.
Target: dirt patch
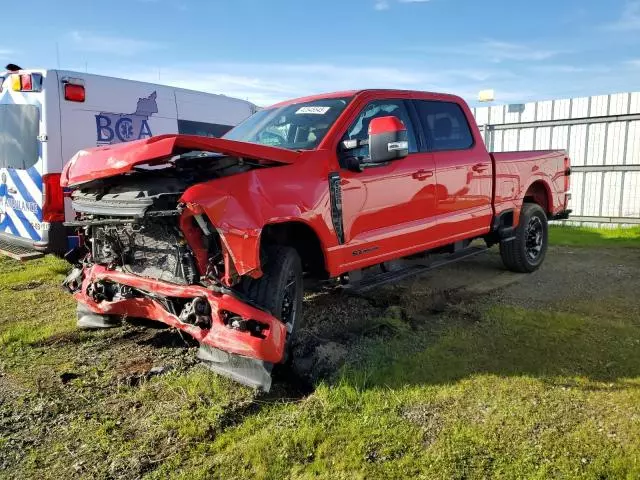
{"x": 136, "y": 366}
{"x": 65, "y": 338}
{"x": 429, "y": 417}
{"x": 30, "y": 285}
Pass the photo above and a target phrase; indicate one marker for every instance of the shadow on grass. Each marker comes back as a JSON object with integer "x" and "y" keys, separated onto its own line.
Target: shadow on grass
{"x": 506, "y": 341}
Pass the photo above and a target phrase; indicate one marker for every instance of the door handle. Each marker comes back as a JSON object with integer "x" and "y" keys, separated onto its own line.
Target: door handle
{"x": 12, "y": 191}
{"x": 422, "y": 174}
{"x": 480, "y": 167}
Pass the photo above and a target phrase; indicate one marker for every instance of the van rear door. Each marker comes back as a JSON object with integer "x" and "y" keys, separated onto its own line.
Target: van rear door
{"x": 21, "y": 186}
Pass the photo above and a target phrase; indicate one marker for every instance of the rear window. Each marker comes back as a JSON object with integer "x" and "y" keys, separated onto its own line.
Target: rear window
{"x": 19, "y": 128}
{"x": 445, "y": 124}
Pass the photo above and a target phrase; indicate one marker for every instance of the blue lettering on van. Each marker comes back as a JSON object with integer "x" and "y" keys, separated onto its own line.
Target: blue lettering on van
{"x": 22, "y": 205}
{"x": 123, "y": 127}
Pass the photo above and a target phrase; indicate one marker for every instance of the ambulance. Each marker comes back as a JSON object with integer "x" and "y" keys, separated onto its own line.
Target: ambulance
{"x": 46, "y": 116}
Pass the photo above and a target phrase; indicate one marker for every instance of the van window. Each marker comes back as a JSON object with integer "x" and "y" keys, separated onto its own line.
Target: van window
{"x": 188, "y": 127}
{"x": 359, "y": 129}
{"x": 19, "y": 128}
{"x": 445, "y": 124}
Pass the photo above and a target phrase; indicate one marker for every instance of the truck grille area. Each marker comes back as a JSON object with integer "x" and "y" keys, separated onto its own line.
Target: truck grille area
{"x": 153, "y": 249}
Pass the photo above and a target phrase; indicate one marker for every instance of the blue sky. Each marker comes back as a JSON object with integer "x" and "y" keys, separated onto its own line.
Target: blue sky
{"x": 267, "y": 51}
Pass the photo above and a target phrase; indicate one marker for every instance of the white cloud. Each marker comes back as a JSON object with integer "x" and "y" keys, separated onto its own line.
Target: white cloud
{"x": 629, "y": 20}
{"x": 110, "y": 44}
{"x": 381, "y": 5}
{"x": 265, "y": 84}
{"x": 570, "y": 69}
{"x": 633, "y": 63}
{"x": 500, "y": 51}
{"x": 495, "y": 51}
{"x": 386, "y": 4}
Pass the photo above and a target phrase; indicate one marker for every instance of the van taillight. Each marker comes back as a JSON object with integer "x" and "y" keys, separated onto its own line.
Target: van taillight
{"x": 74, "y": 93}
{"x": 53, "y": 205}
{"x": 567, "y": 174}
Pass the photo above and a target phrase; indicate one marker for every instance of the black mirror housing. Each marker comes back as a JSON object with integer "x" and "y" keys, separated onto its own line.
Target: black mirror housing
{"x": 388, "y": 139}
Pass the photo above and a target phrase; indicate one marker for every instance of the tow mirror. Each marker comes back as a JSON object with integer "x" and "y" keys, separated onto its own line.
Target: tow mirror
{"x": 388, "y": 139}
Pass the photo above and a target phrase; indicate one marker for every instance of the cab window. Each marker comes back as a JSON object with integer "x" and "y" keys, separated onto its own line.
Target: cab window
{"x": 445, "y": 125}
{"x": 359, "y": 129}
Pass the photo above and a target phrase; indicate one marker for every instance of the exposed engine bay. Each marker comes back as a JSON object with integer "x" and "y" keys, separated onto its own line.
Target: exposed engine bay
{"x": 145, "y": 254}
{"x": 131, "y": 222}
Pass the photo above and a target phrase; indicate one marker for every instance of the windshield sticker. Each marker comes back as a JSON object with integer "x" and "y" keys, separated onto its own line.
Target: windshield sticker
{"x": 313, "y": 110}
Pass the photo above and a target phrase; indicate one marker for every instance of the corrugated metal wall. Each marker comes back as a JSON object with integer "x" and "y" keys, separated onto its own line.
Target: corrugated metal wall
{"x": 602, "y": 135}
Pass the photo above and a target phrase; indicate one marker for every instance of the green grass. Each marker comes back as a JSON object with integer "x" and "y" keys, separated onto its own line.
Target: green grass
{"x": 594, "y": 237}
{"x": 483, "y": 390}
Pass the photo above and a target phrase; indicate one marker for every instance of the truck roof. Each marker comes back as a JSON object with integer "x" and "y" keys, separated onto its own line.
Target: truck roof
{"x": 373, "y": 91}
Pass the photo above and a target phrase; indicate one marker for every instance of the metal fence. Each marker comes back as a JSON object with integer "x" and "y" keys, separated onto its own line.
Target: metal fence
{"x": 602, "y": 136}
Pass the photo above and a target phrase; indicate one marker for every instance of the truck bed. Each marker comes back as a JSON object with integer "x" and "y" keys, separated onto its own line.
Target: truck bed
{"x": 516, "y": 171}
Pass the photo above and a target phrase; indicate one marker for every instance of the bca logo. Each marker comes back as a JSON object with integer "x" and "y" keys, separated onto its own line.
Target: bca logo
{"x": 122, "y": 127}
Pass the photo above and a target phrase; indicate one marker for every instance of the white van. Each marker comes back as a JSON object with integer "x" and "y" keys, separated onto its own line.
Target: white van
{"x": 46, "y": 116}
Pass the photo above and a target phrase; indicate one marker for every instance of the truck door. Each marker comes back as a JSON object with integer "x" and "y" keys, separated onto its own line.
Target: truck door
{"x": 463, "y": 169}
{"x": 390, "y": 207}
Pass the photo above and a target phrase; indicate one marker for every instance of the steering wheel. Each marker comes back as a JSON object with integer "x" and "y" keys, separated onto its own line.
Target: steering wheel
{"x": 271, "y": 138}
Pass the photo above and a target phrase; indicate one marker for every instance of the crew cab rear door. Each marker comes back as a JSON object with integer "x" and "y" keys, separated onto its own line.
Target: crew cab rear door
{"x": 464, "y": 170}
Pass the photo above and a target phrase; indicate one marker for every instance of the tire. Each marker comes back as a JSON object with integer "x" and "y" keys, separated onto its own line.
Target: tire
{"x": 280, "y": 289}
{"x": 527, "y": 251}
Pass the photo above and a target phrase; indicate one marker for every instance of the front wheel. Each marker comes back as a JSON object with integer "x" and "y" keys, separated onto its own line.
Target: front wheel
{"x": 526, "y": 252}
{"x": 280, "y": 289}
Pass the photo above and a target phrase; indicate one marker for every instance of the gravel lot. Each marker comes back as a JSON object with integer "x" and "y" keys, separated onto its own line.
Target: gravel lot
{"x": 571, "y": 279}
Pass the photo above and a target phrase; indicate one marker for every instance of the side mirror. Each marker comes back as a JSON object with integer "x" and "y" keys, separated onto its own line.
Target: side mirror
{"x": 388, "y": 139}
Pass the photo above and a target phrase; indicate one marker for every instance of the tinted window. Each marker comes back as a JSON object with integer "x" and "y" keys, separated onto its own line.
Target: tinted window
{"x": 445, "y": 124}
{"x": 298, "y": 126}
{"x": 187, "y": 127}
{"x": 19, "y": 127}
{"x": 359, "y": 130}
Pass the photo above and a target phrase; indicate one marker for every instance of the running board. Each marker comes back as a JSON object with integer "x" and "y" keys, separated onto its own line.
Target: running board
{"x": 18, "y": 252}
{"x": 384, "y": 278}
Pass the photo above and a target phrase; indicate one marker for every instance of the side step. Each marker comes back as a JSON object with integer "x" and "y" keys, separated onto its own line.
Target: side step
{"x": 369, "y": 283}
{"x": 18, "y": 252}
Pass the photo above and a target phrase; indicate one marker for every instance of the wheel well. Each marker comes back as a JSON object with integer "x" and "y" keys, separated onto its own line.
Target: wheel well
{"x": 301, "y": 237}
{"x": 539, "y": 193}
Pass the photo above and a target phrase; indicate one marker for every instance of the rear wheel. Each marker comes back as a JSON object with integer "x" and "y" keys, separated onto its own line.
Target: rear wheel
{"x": 280, "y": 288}
{"x": 526, "y": 252}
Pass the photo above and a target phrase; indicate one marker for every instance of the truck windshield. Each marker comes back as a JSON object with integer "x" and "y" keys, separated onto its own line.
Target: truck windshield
{"x": 300, "y": 126}
{"x": 19, "y": 129}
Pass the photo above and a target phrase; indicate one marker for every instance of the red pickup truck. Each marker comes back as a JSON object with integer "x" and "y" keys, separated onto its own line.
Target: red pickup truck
{"x": 215, "y": 236}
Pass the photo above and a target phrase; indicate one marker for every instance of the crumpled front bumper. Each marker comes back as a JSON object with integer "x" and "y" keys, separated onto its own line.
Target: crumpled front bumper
{"x": 270, "y": 348}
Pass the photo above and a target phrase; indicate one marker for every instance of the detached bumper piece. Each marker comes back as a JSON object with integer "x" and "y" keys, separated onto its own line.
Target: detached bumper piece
{"x": 237, "y": 340}
{"x": 248, "y": 371}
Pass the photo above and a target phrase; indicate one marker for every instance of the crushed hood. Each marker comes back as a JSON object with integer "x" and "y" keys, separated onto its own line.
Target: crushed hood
{"x": 103, "y": 162}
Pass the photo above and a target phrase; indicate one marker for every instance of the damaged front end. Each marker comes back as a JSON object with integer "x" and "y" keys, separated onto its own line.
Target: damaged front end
{"x": 145, "y": 253}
